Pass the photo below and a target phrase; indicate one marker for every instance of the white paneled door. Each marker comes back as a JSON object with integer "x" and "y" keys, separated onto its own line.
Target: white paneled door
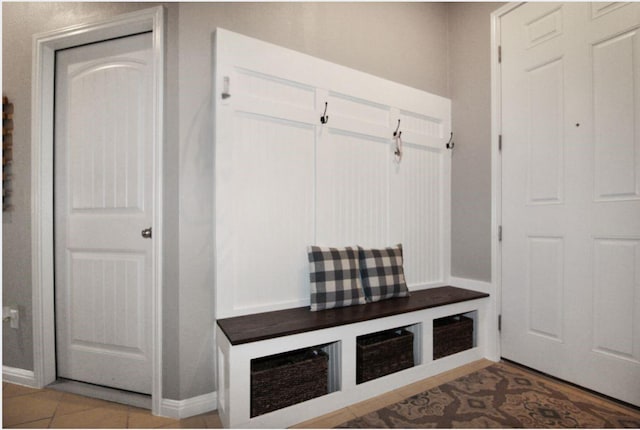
{"x": 571, "y": 193}
{"x": 103, "y": 201}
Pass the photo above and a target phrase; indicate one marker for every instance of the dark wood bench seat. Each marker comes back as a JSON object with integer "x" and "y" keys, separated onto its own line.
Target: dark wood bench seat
{"x": 269, "y": 325}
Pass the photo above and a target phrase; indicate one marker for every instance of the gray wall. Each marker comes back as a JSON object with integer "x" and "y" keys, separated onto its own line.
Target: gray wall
{"x": 417, "y": 44}
{"x": 470, "y": 93}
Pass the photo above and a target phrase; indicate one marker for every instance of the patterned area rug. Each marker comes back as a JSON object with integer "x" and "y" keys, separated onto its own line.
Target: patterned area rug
{"x": 499, "y": 396}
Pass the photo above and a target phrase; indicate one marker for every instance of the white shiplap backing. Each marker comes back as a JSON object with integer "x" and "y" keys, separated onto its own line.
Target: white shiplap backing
{"x": 284, "y": 180}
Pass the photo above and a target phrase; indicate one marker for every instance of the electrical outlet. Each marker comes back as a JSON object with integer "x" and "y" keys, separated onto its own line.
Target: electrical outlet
{"x": 11, "y": 314}
{"x": 15, "y": 318}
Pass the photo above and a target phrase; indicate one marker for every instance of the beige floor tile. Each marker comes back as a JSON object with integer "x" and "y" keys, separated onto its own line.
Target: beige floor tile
{"x": 418, "y": 387}
{"x": 197, "y": 422}
{"x": 143, "y": 419}
{"x": 212, "y": 419}
{"x": 329, "y": 420}
{"x": 29, "y": 407}
{"x": 363, "y": 408}
{"x": 72, "y": 403}
{"x": 93, "y": 418}
{"x": 13, "y": 390}
{"x": 40, "y": 424}
{"x": 465, "y": 370}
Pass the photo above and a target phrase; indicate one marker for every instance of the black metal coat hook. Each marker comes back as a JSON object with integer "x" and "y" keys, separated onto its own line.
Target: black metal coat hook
{"x": 324, "y": 118}
{"x": 450, "y": 143}
{"x": 397, "y": 132}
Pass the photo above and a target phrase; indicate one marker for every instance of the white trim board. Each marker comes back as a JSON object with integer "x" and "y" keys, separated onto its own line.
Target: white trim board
{"x": 496, "y": 161}
{"x": 44, "y": 47}
{"x": 491, "y": 347}
{"x": 179, "y": 409}
{"x": 18, "y": 376}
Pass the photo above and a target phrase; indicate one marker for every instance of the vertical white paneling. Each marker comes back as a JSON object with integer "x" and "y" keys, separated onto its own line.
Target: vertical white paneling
{"x": 419, "y": 189}
{"x": 285, "y": 180}
{"x": 616, "y": 318}
{"x": 545, "y": 165}
{"x": 135, "y": 314}
{"x": 352, "y": 190}
{"x": 546, "y": 286}
{"x": 80, "y": 274}
{"x": 104, "y": 159}
{"x": 273, "y": 202}
{"x": 616, "y": 78}
{"x": 106, "y": 309}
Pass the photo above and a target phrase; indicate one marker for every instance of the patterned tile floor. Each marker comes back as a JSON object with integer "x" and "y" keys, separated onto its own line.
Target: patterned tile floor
{"x": 24, "y": 407}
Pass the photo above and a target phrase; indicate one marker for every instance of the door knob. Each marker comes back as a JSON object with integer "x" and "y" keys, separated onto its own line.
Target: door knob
{"x": 146, "y": 233}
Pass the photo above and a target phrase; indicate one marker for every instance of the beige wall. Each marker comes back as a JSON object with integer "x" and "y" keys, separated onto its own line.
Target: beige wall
{"x": 470, "y": 93}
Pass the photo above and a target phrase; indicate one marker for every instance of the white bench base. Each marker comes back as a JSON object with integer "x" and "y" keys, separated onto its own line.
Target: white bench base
{"x": 234, "y": 364}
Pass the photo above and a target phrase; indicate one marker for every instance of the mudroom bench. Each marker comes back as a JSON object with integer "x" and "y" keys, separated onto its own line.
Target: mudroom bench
{"x": 358, "y": 352}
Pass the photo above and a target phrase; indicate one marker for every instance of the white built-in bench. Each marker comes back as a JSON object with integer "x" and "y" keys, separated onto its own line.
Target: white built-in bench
{"x": 243, "y": 338}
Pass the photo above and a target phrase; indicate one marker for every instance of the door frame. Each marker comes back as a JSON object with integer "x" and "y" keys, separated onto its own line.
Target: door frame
{"x": 42, "y": 137}
{"x": 496, "y": 157}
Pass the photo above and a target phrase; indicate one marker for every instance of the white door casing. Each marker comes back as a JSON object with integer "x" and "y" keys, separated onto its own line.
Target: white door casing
{"x": 103, "y": 199}
{"x": 44, "y": 47}
{"x": 571, "y": 192}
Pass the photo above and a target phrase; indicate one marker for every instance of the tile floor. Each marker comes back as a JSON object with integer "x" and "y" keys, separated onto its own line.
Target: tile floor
{"x": 24, "y": 407}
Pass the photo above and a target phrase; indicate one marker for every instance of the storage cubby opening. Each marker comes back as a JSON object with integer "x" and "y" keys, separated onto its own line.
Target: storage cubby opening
{"x": 453, "y": 334}
{"x": 292, "y": 377}
{"x": 474, "y": 316}
{"x": 382, "y": 353}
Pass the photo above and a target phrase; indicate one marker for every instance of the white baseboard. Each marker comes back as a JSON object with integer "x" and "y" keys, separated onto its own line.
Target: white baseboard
{"x": 179, "y": 409}
{"x": 472, "y": 284}
{"x": 17, "y": 376}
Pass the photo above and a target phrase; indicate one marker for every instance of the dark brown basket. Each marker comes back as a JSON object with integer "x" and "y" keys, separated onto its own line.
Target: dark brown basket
{"x": 382, "y": 353}
{"x": 452, "y": 334}
{"x": 281, "y": 380}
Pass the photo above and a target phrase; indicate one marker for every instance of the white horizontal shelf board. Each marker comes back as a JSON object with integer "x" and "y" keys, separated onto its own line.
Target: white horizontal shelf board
{"x": 314, "y": 72}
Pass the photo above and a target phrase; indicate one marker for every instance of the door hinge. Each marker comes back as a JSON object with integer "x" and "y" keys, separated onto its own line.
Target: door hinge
{"x": 499, "y": 142}
{"x": 499, "y": 233}
{"x": 500, "y": 322}
{"x": 225, "y": 88}
{"x": 499, "y": 53}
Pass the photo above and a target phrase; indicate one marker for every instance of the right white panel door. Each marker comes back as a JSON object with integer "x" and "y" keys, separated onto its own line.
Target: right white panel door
{"x": 571, "y": 193}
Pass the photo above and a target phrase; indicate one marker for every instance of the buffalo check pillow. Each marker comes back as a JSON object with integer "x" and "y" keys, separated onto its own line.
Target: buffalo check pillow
{"x": 335, "y": 277}
{"x": 382, "y": 273}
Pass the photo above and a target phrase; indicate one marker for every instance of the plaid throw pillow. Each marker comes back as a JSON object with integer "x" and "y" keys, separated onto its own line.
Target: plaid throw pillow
{"x": 335, "y": 278}
{"x": 382, "y": 273}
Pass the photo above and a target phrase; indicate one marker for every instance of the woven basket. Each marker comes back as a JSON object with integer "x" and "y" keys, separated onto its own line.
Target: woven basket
{"x": 452, "y": 334}
{"x": 382, "y": 353}
{"x": 285, "y": 379}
